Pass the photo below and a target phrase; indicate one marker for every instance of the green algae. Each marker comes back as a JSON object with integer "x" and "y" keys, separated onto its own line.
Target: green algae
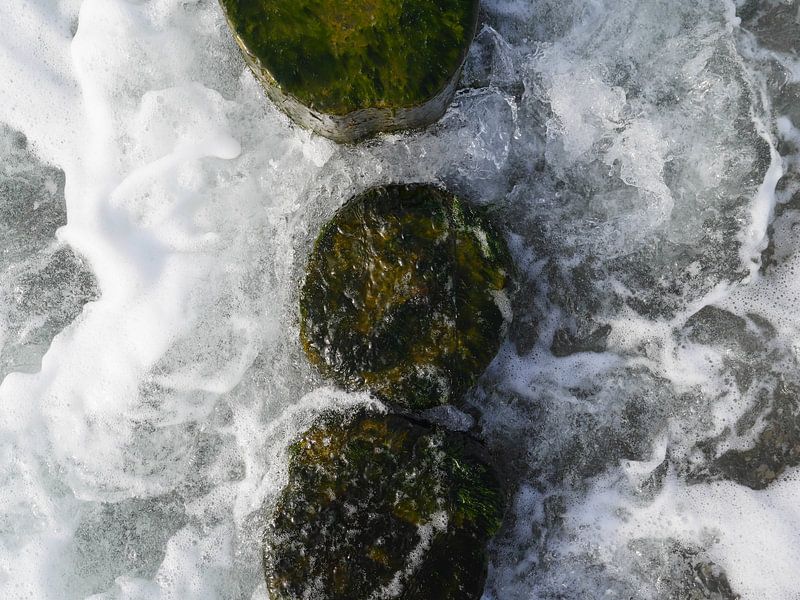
{"x": 348, "y": 55}
{"x": 403, "y": 296}
{"x": 377, "y": 504}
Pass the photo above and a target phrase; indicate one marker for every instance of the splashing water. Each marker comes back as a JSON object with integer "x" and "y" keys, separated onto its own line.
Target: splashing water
{"x": 156, "y": 214}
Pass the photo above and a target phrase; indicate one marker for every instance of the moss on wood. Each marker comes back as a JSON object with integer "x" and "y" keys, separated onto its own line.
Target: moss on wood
{"x": 379, "y": 506}
{"x": 349, "y": 68}
{"x": 404, "y": 296}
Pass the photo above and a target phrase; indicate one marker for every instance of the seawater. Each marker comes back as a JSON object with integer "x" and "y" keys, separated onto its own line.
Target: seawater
{"x": 156, "y": 212}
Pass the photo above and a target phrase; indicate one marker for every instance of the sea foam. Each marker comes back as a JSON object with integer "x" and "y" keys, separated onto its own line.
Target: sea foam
{"x": 642, "y": 160}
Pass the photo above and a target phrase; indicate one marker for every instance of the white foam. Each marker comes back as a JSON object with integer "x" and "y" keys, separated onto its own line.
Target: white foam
{"x": 746, "y": 527}
{"x": 605, "y": 128}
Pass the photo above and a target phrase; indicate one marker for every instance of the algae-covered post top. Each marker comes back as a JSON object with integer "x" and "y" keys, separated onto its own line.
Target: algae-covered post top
{"x": 350, "y": 68}
{"x": 379, "y": 507}
{"x": 405, "y": 295}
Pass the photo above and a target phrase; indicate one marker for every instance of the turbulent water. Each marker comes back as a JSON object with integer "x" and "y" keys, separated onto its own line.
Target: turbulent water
{"x": 156, "y": 212}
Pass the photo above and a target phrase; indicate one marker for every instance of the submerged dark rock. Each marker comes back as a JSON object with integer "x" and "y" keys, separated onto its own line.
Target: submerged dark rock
{"x": 39, "y": 299}
{"x": 712, "y": 325}
{"x": 348, "y": 69}
{"x": 126, "y": 538}
{"x": 672, "y": 571}
{"x": 405, "y": 295}
{"x": 380, "y": 506}
{"x": 44, "y": 284}
{"x": 566, "y": 344}
{"x": 765, "y": 439}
